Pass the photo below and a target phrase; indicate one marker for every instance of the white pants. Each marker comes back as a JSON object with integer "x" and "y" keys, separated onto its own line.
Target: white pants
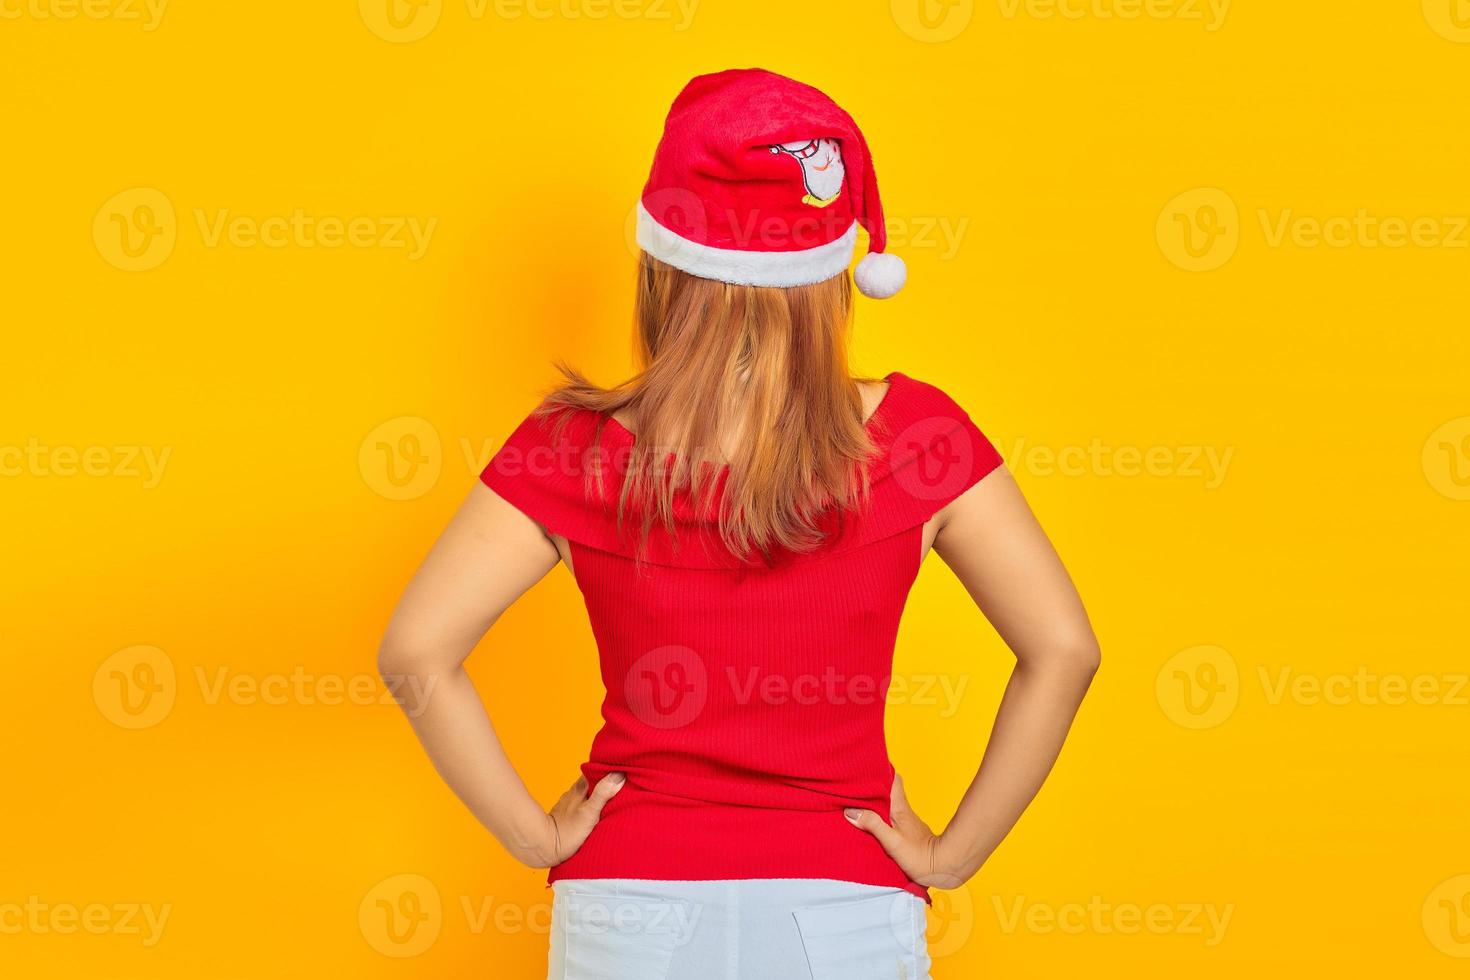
{"x": 756, "y": 929}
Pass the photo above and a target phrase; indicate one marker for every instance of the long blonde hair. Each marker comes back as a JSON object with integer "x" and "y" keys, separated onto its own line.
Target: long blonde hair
{"x": 755, "y": 378}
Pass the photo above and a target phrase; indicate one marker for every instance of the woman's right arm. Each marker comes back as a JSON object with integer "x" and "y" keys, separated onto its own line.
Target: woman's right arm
{"x": 990, "y": 539}
{"x": 487, "y": 557}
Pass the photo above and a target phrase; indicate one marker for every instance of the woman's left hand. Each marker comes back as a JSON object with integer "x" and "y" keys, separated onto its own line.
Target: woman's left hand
{"x": 918, "y": 851}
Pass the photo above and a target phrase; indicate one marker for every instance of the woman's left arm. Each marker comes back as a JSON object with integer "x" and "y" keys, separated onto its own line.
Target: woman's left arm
{"x": 990, "y": 539}
{"x": 486, "y": 558}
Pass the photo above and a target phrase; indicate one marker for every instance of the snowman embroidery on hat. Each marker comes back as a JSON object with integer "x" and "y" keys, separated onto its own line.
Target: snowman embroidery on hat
{"x": 821, "y": 168}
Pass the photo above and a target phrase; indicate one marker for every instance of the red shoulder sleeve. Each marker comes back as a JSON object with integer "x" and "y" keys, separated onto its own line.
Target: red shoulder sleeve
{"x": 930, "y": 453}
{"x": 543, "y": 470}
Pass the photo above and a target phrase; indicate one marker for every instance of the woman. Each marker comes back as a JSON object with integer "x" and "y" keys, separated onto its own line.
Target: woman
{"x": 744, "y": 519}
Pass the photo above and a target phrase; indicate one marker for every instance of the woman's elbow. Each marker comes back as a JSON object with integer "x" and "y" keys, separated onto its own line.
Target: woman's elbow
{"x": 1088, "y": 656}
{"x": 405, "y": 652}
{"x": 1078, "y": 654}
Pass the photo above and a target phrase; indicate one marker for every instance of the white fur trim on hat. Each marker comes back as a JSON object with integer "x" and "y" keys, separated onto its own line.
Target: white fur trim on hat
{"x": 799, "y": 268}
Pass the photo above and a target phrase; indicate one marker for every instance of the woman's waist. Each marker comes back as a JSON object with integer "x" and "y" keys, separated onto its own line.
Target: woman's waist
{"x": 649, "y": 835}
{"x": 690, "y": 781}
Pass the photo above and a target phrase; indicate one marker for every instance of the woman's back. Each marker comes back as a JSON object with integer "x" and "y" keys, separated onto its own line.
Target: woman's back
{"x": 745, "y": 559}
{"x": 744, "y": 698}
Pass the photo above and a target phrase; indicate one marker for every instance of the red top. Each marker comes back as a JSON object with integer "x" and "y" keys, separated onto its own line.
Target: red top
{"x": 744, "y": 703}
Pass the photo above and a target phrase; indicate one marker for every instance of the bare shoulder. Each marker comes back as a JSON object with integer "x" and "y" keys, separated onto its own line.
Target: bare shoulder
{"x": 873, "y": 392}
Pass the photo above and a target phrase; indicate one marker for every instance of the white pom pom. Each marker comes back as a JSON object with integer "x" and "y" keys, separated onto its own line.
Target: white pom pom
{"x": 880, "y": 275}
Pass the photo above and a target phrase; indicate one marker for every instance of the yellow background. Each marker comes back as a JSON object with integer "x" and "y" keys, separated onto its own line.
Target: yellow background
{"x": 1041, "y": 165}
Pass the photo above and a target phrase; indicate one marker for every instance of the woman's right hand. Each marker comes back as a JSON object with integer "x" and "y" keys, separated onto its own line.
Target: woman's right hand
{"x": 571, "y": 820}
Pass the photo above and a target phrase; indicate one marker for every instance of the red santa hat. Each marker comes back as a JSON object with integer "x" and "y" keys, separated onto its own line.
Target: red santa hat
{"x": 762, "y": 181}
